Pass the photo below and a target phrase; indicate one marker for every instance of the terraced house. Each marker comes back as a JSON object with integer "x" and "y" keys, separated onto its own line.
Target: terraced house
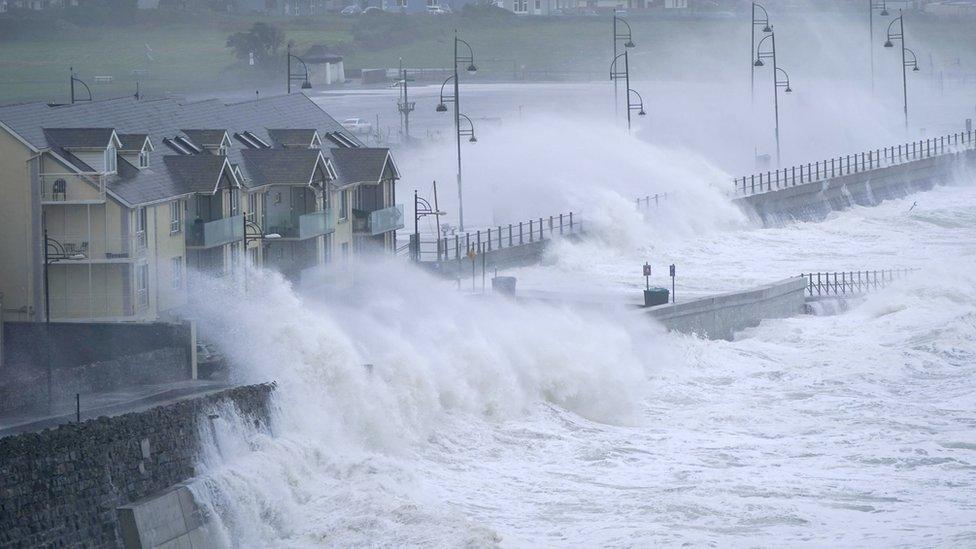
{"x": 112, "y": 209}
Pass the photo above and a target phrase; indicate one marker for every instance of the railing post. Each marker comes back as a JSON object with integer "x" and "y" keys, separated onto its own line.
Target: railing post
{"x": 489, "y": 239}
{"x": 478, "y": 233}
{"x": 560, "y": 223}
{"x": 457, "y": 246}
{"x": 509, "y": 235}
{"x": 521, "y": 241}
{"x": 570, "y": 221}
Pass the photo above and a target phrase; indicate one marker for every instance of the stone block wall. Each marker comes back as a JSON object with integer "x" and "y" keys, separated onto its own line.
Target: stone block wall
{"x": 62, "y": 487}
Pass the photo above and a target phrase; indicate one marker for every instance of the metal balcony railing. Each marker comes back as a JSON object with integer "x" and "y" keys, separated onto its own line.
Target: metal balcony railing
{"x": 72, "y": 188}
{"x": 96, "y": 248}
{"x": 303, "y": 226}
{"x": 218, "y": 232}
{"x": 851, "y": 283}
{"x": 385, "y": 220}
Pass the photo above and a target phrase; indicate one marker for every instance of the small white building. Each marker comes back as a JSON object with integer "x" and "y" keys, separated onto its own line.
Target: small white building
{"x": 324, "y": 68}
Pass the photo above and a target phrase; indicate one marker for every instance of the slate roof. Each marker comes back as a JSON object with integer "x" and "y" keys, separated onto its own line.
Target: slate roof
{"x": 318, "y": 53}
{"x": 280, "y": 166}
{"x": 197, "y": 173}
{"x": 82, "y": 122}
{"x": 78, "y": 138}
{"x": 359, "y": 165}
{"x": 132, "y": 141}
{"x": 291, "y": 138}
{"x": 205, "y": 138}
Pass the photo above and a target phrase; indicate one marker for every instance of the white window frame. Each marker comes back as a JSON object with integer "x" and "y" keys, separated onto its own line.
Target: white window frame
{"x": 142, "y": 286}
{"x": 176, "y": 267}
{"x": 520, "y": 6}
{"x": 142, "y": 224}
{"x": 110, "y": 159}
{"x": 343, "y": 205}
{"x": 175, "y": 217}
{"x": 143, "y": 159}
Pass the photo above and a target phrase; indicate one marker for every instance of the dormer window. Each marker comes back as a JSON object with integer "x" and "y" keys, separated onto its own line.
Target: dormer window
{"x": 111, "y": 160}
{"x": 222, "y": 151}
{"x": 143, "y": 159}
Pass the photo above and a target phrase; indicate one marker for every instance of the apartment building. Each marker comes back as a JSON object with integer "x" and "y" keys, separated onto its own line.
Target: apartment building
{"x": 111, "y": 210}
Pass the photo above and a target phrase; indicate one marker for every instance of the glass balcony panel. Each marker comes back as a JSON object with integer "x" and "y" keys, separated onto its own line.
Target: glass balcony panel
{"x": 315, "y": 224}
{"x": 215, "y": 233}
{"x": 385, "y": 220}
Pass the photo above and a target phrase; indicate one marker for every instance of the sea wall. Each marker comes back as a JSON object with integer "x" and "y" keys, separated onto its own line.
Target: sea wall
{"x": 813, "y": 201}
{"x": 720, "y": 316}
{"x": 63, "y": 487}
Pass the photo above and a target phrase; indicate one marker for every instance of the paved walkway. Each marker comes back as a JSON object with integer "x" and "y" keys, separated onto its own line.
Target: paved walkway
{"x": 132, "y": 399}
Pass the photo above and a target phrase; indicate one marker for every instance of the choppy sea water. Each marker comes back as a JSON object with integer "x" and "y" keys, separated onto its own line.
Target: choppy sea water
{"x": 482, "y": 423}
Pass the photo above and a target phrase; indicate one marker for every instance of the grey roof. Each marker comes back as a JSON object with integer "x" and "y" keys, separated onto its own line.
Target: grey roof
{"x": 198, "y": 173}
{"x": 360, "y": 165}
{"x": 205, "y": 138}
{"x": 291, "y": 137}
{"x": 318, "y": 53}
{"x": 165, "y": 118}
{"x": 132, "y": 141}
{"x": 280, "y": 166}
{"x": 78, "y": 138}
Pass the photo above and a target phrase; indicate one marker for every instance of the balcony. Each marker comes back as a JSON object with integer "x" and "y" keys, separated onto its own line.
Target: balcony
{"x": 72, "y": 188}
{"x": 214, "y": 233}
{"x": 301, "y": 227}
{"x": 93, "y": 248}
{"x": 385, "y": 220}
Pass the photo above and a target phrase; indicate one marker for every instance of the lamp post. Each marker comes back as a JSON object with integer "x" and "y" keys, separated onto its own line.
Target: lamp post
{"x": 900, "y": 35}
{"x": 422, "y": 208}
{"x": 54, "y": 252}
{"x": 404, "y": 106}
{"x": 777, "y": 82}
{"x": 441, "y": 107}
{"x": 874, "y": 5}
{"x": 756, "y": 21}
{"x": 627, "y": 37}
{"x": 639, "y": 106}
{"x": 256, "y": 234}
{"x": 306, "y": 85}
{"x": 71, "y": 85}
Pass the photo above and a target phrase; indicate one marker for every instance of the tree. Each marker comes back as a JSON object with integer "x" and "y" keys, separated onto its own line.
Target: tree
{"x": 263, "y": 40}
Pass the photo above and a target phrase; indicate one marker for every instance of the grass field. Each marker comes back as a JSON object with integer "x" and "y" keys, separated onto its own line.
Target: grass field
{"x": 190, "y": 56}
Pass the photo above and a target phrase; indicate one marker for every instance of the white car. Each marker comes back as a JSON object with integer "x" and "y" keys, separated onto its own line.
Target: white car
{"x": 357, "y": 125}
{"x": 351, "y": 10}
{"x": 438, "y": 10}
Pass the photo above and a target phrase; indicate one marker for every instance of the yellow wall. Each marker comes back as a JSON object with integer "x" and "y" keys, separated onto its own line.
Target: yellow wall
{"x": 16, "y": 254}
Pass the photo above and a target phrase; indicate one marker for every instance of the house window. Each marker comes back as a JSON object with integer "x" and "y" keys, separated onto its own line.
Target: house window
{"x": 402, "y": 4}
{"x": 277, "y": 198}
{"x": 433, "y": 3}
{"x": 538, "y": 5}
{"x": 252, "y": 206}
{"x": 222, "y": 151}
{"x": 141, "y": 223}
{"x": 110, "y": 160}
{"x": 142, "y": 286}
{"x": 176, "y": 266}
{"x": 521, "y": 6}
{"x": 144, "y": 158}
{"x": 343, "y": 204}
{"x": 235, "y": 202}
{"x": 175, "y": 216}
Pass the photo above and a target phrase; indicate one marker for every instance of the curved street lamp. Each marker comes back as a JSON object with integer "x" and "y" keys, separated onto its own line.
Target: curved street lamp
{"x": 639, "y": 106}
{"x": 758, "y": 20}
{"x": 900, "y": 35}
{"x": 442, "y": 107}
{"x": 777, "y": 81}
{"x": 71, "y": 71}
{"x": 874, "y": 5}
{"x": 627, "y": 37}
{"x": 254, "y": 232}
{"x": 306, "y": 85}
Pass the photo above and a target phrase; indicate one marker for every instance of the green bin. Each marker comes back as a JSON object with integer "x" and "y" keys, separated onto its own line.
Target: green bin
{"x": 655, "y": 296}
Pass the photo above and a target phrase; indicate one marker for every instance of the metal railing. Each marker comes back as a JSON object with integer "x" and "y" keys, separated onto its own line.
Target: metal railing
{"x": 95, "y": 247}
{"x": 218, "y": 232}
{"x": 649, "y": 200}
{"x": 851, "y": 283}
{"x": 822, "y": 170}
{"x": 451, "y": 248}
{"x": 72, "y": 188}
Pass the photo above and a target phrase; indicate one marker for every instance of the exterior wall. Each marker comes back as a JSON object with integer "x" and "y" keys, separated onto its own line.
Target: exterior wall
{"x": 167, "y": 245}
{"x": 343, "y": 231}
{"x": 17, "y": 280}
{"x": 64, "y": 487}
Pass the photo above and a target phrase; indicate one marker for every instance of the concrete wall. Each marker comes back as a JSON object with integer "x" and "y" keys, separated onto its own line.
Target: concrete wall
{"x": 813, "y": 201}
{"x": 720, "y": 316}
{"x": 64, "y": 487}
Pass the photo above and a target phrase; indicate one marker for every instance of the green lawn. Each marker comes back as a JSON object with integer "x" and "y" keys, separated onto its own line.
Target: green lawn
{"x": 191, "y": 56}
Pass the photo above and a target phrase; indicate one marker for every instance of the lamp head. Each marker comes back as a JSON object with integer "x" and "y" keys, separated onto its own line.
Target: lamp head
{"x": 306, "y": 85}
{"x": 473, "y": 139}
{"x": 789, "y": 89}
{"x": 888, "y": 44}
{"x": 758, "y": 63}
{"x": 767, "y": 28}
{"x": 915, "y": 69}
{"x": 630, "y": 44}
{"x": 641, "y": 113}
{"x": 441, "y": 107}
{"x": 884, "y": 12}
{"x": 472, "y": 69}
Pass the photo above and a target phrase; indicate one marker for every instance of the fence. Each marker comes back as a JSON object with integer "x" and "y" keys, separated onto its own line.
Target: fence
{"x": 450, "y": 248}
{"x": 851, "y": 283}
{"x": 856, "y": 163}
{"x": 645, "y": 203}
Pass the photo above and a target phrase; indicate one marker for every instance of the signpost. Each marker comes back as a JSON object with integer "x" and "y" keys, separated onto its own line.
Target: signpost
{"x": 647, "y": 275}
{"x": 671, "y": 268}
